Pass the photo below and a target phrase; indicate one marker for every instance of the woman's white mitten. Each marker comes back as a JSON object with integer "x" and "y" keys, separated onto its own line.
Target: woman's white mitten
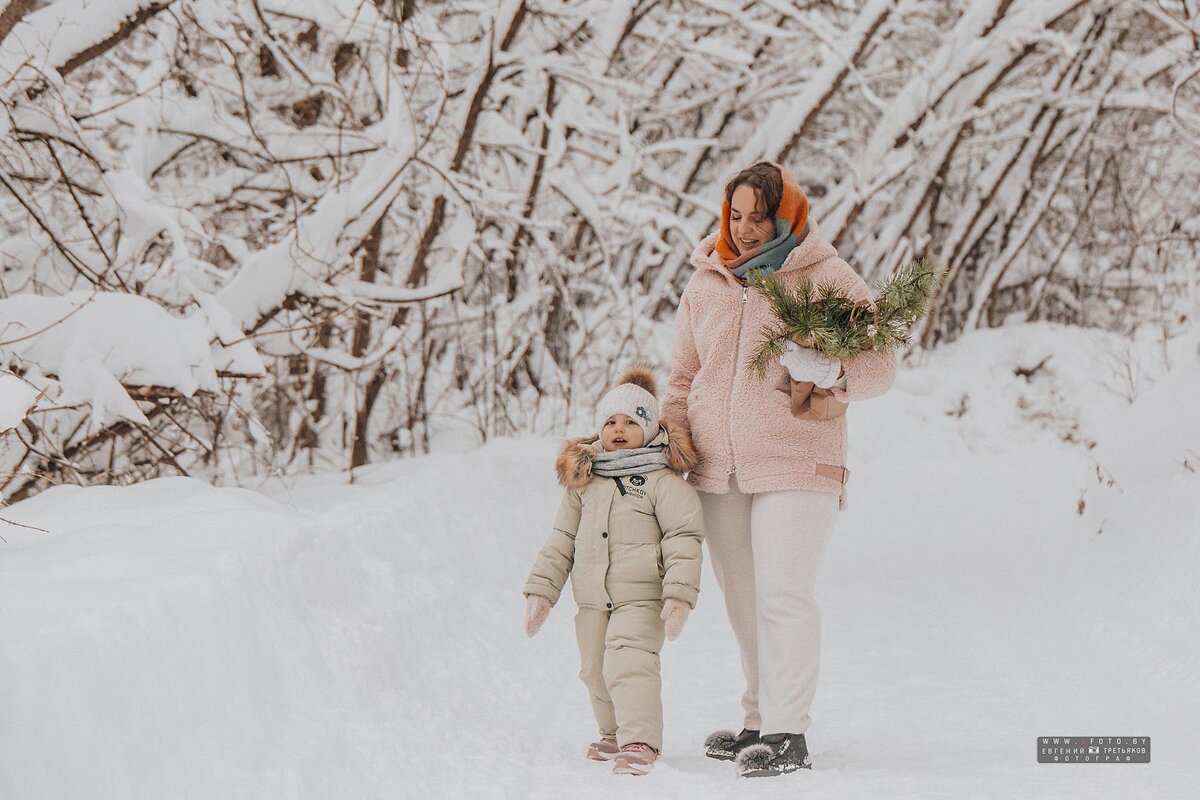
{"x": 807, "y": 364}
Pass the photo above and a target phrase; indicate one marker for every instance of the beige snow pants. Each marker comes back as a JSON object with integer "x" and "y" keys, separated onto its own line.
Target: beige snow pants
{"x": 618, "y": 654}
{"x": 765, "y": 551}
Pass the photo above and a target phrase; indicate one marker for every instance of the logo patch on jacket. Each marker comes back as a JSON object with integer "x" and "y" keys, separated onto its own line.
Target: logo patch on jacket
{"x": 637, "y": 480}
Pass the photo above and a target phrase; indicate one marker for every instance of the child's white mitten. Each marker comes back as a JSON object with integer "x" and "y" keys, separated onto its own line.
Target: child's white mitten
{"x": 675, "y": 613}
{"x": 537, "y": 608}
{"x": 807, "y": 364}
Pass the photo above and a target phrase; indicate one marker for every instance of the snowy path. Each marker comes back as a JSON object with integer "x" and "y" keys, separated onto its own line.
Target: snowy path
{"x": 327, "y": 641}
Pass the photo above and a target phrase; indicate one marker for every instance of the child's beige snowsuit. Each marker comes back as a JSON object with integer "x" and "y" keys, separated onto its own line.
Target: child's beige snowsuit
{"x": 627, "y": 543}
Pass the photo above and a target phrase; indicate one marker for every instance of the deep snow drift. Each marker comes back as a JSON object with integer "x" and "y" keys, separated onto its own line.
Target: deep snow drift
{"x": 1018, "y": 558}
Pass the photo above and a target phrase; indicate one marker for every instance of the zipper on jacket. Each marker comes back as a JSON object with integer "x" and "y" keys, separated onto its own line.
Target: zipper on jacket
{"x": 620, "y": 485}
{"x": 737, "y": 357}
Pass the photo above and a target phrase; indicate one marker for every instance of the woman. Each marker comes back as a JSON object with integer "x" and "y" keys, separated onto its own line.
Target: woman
{"x": 771, "y": 484}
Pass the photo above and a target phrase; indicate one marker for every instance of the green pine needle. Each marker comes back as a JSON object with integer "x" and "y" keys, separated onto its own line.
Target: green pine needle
{"x": 823, "y": 318}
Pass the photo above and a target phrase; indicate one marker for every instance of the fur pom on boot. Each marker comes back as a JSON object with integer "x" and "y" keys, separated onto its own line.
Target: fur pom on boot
{"x": 755, "y": 758}
{"x": 725, "y": 745}
{"x": 776, "y": 754}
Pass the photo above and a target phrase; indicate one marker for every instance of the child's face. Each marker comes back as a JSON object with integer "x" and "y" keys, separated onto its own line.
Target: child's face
{"x": 621, "y": 432}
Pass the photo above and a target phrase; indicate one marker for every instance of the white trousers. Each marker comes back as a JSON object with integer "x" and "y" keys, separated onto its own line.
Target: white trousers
{"x": 765, "y": 550}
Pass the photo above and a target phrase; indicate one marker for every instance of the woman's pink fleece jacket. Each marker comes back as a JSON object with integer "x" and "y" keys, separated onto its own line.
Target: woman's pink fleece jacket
{"x": 740, "y": 423}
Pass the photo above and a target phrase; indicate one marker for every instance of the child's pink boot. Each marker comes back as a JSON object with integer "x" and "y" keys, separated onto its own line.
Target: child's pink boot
{"x": 603, "y": 750}
{"x": 635, "y": 759}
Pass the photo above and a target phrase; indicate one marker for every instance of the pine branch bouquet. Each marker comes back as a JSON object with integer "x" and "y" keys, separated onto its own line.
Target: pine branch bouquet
{"x": 824, "y": 318}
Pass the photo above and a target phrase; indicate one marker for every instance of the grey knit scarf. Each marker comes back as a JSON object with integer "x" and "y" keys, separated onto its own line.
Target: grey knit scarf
{"x": 774, "y": 252}
{"x": 635, "y": 461}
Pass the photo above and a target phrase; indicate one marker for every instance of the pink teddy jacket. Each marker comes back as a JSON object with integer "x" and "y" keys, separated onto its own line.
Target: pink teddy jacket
{"x": 740, "y": 424}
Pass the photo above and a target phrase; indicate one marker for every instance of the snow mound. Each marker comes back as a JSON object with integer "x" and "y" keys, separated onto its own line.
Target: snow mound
{"x": 317, "y": 639}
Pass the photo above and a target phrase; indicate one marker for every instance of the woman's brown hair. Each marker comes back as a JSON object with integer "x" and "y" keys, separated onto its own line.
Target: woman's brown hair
{"x": 767, "y": 182}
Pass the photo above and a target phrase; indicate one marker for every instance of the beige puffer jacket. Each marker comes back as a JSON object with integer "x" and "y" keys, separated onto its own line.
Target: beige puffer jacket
{"x": 623, "y": 540}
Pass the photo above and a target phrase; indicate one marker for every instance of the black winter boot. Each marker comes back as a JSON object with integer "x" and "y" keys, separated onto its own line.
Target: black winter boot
{"x": 725, "y": 745}
{"x": 775, "y": 754}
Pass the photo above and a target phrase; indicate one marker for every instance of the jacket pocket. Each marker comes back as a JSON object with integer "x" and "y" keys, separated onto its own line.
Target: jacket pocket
{"x": 651, "y": 557}
{"x": 635, "y": 564}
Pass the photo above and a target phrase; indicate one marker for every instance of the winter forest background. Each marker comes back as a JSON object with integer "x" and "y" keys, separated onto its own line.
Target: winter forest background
{"x": 299, "y": 297}
{"x": 242, "y": 238}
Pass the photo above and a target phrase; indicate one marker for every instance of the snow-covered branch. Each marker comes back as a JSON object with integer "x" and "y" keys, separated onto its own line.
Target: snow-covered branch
{"x": 245, "y": 236}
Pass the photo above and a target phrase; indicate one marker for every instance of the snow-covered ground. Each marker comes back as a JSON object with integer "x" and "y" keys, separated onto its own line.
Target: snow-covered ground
{"x": 996, "y": 577}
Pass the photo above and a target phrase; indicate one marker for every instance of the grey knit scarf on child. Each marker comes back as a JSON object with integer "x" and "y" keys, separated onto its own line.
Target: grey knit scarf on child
{"x": 634, "y": 461}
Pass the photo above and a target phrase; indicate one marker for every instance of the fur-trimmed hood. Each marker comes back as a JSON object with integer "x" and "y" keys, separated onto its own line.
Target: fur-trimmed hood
{"x": 574, "y": 462}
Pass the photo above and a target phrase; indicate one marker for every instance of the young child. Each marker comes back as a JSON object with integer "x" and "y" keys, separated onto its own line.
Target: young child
{"x": 628, "y": 532}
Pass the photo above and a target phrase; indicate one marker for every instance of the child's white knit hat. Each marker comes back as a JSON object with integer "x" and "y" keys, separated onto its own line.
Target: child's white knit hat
{"x": 633, "y": 396}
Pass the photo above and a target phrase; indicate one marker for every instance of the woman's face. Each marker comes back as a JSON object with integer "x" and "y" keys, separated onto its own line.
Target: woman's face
{"x": 621, "y": 432}
{"x": 748, "y": 226}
